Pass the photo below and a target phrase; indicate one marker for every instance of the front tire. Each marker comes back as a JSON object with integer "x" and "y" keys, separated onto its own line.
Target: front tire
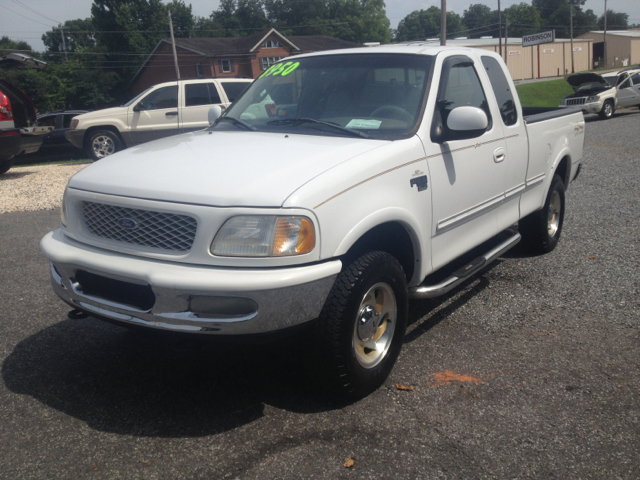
{"x": 607, "y": 110}
{"x": 5, "y": 165}
{"x": 360, "y": 329}
{"x": 102, "y": 143}
{"x": 541, "y": 230}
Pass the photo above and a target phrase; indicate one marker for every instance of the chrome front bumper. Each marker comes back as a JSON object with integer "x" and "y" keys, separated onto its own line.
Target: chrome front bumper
{"x": 229, "y": 301}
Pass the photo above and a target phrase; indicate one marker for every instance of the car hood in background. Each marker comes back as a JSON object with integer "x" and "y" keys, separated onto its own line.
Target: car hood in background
{"x": 106, "y": 112}
{"x": 220, "y": 168}
{"x": 581, "y": 78}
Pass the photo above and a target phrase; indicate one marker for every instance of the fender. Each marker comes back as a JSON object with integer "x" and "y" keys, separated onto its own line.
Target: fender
{"x": 408, "y": 221}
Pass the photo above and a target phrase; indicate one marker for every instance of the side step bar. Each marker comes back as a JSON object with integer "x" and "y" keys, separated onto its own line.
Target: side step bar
{"x": 460, "y": 275}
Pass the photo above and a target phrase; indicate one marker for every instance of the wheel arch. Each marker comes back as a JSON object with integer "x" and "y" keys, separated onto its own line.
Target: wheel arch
{"x": 392, "y": 230}
{"x": 563, "y": 168}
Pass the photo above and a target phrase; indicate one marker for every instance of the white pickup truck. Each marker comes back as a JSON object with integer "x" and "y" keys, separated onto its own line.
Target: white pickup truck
{"x": 336, "y": 188}
{"x": 160, "y": 111}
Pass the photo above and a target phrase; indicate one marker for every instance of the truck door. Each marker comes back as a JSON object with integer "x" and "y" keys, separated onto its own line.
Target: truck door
{"x": 198, "y": 98}
{"x": 468, "y": 175}
{"x": 517, "y": 154}
{"x": 155, "y": 115}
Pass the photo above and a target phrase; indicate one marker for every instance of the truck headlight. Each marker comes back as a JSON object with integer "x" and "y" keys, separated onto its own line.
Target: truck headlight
{"x": 264, "y": 236}
{"x": 593, "y": 98}
{"x": 63, "y": 209}
{"x": 563, "y": 101}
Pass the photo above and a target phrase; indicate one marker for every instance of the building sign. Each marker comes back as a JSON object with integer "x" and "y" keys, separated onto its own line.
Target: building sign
{"x": 514, "y": 52}
{"x": 538, "y": 38}
{"x": 577, "y": 49}
{"x": 547, "y": 50}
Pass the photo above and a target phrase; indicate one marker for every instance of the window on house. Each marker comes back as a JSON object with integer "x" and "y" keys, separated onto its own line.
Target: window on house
{"x": 266, "y": 62}
{"x": 271, "y": 44}
{"x": 199, "y": 70}
{"x": 225, "y": 66}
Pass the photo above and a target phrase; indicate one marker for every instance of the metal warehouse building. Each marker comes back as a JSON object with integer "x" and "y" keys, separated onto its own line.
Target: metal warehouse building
{"x": 623, "y": 47}
{"x": 539, "y": 61}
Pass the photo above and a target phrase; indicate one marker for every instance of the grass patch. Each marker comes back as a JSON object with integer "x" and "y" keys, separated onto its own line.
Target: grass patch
{"x": 61, "y": 162}
{"x": 543, "y": 94}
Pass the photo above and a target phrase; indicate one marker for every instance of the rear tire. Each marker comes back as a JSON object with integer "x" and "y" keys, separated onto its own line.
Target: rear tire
{"x": 102, "y": 143}
{"x": 6, "y": 165}
{"x": 541, "y": 230}
{"x": 607, "y": 110}
{"x": 359, "y": 333}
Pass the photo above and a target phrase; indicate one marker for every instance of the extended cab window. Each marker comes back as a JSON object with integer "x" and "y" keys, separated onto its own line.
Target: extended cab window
{"x": 165, "y": 97}
{"x": 375, "y": 95}
{"x": 502, "y": 91}
{"x": 200, "y": 94}
{"x": 636, "y": 79}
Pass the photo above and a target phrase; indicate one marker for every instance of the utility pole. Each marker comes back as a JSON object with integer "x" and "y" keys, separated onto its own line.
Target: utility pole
{"x": 443, "y": 22}
{"x": 499, "y": 28}
{"x": 173, "y": 43}
{"x": 571, "y": 23}
{"x": 604, "y": 40}
{"x": 64, "y": 44}
{"x": 506, "y": 37}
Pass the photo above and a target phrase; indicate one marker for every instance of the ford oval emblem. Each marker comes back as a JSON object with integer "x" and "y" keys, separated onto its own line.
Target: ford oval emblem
{"x": 127, "y": 222}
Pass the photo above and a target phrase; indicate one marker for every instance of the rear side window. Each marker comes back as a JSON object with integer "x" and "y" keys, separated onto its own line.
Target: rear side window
{"x": 636, "y": 79}
{"x": 234, "y": 89}
{"x": 501, "y": 88}
{"x": 66, "y": 122}
{"x": 200, "y": 94}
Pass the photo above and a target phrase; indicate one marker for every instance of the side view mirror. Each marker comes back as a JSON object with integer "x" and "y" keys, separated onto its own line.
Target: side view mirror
{"x": 214, "y": 113}
{"x": 138, "y": 107}
{"x": 468, "y": 119}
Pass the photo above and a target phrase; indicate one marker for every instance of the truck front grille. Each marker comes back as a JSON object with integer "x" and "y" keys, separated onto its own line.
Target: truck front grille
{"x": 576, "y": 101}
{"x": 165, "y": 231}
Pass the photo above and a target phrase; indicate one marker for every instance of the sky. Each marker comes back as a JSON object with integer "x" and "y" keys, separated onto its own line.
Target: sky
{"x": 28, "y": 19}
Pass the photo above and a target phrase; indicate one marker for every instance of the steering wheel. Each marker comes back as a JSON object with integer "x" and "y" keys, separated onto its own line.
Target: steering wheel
{"x": 394, "y": 112}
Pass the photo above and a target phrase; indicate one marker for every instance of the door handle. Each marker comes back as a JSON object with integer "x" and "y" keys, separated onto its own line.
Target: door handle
{"x": 498, "y": 155}
{"x": 171, "y": 114}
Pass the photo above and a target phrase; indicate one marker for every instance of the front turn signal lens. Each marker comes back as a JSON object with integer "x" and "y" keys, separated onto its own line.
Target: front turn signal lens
{"x": 294, "y": 236}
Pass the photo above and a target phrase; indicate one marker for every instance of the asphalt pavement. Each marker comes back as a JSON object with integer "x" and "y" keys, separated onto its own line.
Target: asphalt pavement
{"x": 529, "y": 370}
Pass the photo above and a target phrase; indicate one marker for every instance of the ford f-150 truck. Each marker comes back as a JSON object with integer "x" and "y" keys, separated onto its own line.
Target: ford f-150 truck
{"x": 336, "y": 188}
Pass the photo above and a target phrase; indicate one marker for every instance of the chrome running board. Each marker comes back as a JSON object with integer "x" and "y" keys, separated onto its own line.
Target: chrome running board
{"x": 460, "y": 275}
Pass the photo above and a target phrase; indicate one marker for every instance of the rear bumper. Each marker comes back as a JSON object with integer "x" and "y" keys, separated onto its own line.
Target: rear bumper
{"x": 75, "y": 137}
{"x": 190, "y": 298}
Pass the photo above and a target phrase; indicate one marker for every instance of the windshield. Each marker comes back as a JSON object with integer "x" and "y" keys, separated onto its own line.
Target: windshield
{"x": 367, "y": 95}
{"x": 133, "y": 100}
{"x": 611, "y": 80}
{"x": 592, "y": 86}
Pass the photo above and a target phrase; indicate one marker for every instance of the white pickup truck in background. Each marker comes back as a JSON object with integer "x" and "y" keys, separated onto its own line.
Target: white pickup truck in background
{"x": 160, "y": 111}
{"x": 336, "y": 188}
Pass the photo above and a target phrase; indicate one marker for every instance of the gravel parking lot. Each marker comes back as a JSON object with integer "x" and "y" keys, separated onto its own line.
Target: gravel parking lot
{"x": 529, "y": 370}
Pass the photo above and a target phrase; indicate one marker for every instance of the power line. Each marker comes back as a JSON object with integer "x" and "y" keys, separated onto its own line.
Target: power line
{"x": 19, "y": 14}
{"x": 19, "y": 3}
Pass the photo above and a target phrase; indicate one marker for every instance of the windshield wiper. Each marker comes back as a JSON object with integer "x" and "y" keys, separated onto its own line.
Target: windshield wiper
{"x": 300, "y": 121}
{"x": 237, "y": 122}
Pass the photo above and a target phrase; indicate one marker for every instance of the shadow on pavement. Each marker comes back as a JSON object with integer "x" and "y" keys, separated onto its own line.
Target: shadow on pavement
{"x": 14, "y": 175}
{"x": 133, "y": 383}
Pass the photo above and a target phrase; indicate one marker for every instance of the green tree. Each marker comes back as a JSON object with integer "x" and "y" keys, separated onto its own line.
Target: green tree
{"x": 77, "y": 33}
{"x": 7, "y": 46}
{"x": 524, "y": 19}
{"x": 480, "y": 21}
{"x": 615, "y": 21}
{"x": 423, "y": 24}
{"x": 555, "y": 14}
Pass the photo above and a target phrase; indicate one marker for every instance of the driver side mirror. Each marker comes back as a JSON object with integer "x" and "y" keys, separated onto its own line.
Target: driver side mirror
{"x": 138, "y": 107}
{"x": 215, "y": 112}
{"x": 463, "y": 123}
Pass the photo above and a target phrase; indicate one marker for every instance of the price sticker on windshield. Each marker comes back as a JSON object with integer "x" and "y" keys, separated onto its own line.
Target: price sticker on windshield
{"x": 282, "y": 69}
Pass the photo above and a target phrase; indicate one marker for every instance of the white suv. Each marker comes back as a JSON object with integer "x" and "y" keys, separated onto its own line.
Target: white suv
{"x": 160, "y": 111}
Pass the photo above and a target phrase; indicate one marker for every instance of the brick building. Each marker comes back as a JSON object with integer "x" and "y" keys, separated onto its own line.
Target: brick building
{"x": 227, "y": 57}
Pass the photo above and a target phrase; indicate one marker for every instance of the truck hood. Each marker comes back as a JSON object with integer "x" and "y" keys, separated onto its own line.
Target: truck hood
{"x": 220, "y": 168}
{"x": 107, "y": 112}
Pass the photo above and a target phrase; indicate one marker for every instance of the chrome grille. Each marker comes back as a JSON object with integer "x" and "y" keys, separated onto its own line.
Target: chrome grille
{"x": 576, "y": 101}
{"x": 166, "y": 231}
